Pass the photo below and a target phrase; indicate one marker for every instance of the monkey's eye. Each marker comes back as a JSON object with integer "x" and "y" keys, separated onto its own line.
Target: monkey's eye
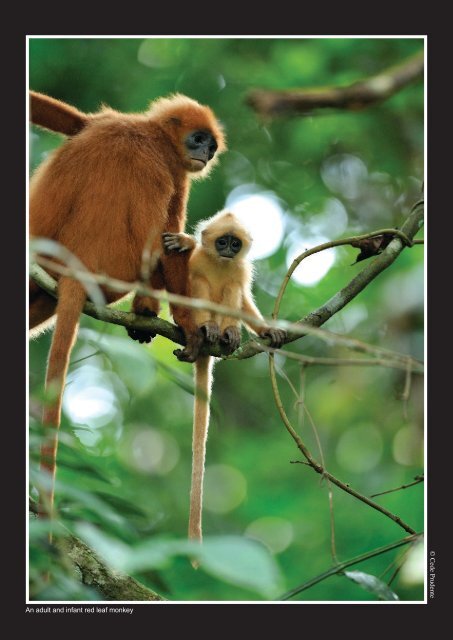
{"x": 236, "y": 245}
{"x": 212, "y": 149}
{"x": 222, "y": 242}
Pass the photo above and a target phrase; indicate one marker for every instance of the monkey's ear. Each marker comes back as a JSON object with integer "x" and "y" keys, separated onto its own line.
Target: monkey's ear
{"x": 175, "y": 121}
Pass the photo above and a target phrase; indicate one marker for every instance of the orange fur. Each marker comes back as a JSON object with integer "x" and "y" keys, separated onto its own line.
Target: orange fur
{"x": 120, "y": 181}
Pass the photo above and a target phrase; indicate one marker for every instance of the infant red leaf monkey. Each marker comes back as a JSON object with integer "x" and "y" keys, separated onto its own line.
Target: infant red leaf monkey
{"x": 219, "y": 272}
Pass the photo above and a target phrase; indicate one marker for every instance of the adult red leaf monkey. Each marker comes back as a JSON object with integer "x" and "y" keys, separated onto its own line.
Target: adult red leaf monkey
{"x": 219, "y": 272}
{"x": 119, "y": 181}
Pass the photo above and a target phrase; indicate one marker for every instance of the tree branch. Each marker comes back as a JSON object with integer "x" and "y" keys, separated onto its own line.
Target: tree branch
{"x": 309, "y": 324}
{"x": 343, "y": 362}
{"x": 417, "y": 480}
{"x": 320, "y": 468}
{"x": 354, "y": 97}
{"x": 114, "y": 585}
{"x": 319, "y": 316}
{"x": 348, "y": 563}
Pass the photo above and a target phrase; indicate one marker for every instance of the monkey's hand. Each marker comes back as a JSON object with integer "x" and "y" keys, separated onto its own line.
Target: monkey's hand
{"x": 231, "y": 337}
{"x": 210, "y": 331}
{"x": 179, "y": 242}
{"x": 277, "y": 336}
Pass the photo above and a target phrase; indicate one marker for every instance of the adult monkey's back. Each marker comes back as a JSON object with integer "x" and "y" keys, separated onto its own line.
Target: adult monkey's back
{"x": 117, "y": 184}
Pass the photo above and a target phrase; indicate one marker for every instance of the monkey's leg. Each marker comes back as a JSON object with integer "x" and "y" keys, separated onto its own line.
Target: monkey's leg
{"x": 71, "y": 299}
{"x": 147, "y": 306}
{"x": 176, "y": 277}
{"x": 200, "y": 326}
{"x": 230, "y": 328}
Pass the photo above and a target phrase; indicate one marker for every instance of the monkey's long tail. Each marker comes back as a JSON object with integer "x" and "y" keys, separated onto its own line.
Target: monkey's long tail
{"x": 56, "y": 115}
{"x": 71, "y": 299}
{"x": 203, "y": 382}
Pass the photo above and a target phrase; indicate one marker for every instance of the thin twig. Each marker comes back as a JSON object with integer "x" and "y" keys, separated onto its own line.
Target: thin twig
{"x": 318, "y": 467}
{"x": 407, "y": 389}
{"x": 311, "y": 360}
{"x": 417, "y": 480}
{"x": 348, "y": 563}
{"x": 398, "y": 562}
{"x": 302, "y": 410}
{"x": 330, "y": 245}
{"x": 329, "y": 487}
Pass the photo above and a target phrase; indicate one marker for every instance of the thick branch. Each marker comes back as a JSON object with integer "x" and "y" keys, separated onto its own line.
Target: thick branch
{"x": 253, "y": 346}
{"x": 319, "y": 316}
{"x": 358, "y": 95}
{"x": 114, "y": 585}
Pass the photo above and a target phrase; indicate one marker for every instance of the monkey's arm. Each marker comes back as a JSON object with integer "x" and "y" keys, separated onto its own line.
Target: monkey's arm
{"x": 178, "y": 242}
{"x": 55, "y": 115}
{"x": 277, "y": 336}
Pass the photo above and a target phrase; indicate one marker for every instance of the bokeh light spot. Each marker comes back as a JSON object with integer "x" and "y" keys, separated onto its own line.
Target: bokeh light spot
{"x": 413, "y": 569}
{"x": 89, "y": 398}
{"x": 360, "y": 448}
{"x": 275, "y": 533}
{"x": 315, "y": 267}
{"x": 407, "y": 448}
{"x": 344, "y": 174}
{"x": 224, "y": 489}
{"x": 262, "y": 214}
{"x": 150, "y": 451}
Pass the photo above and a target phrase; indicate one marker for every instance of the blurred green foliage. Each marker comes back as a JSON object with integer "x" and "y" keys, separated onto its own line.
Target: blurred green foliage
{"x": 125, "y": 452}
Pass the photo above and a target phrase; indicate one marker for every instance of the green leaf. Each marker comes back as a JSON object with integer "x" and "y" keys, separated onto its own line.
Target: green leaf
{"x": 84, "y": 468}
{"x": 372, "y": 584}
{"x": 121, "y": 505}
{"x": 242, "y": 562}
{"x": 239, "y": 561}
{"x": 130, "y": 360}
{"x": 111, "y": 550}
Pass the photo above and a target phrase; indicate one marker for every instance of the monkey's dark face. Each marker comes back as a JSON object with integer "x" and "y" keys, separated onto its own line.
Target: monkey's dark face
{"x": 228, "y": 246}
{"x": 201, "y": 147}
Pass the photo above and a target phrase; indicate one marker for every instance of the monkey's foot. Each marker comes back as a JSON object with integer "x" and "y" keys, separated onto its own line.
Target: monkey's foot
{"x": 142, "y": 335}
{"x": 277, "y": 336}
{"x": 231, "y": 337}
{"x": 177, "y": 242}
{"x": 185, "y": 355}
{"x": 192, "y": 348}
{"x": 210, "y": 331}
